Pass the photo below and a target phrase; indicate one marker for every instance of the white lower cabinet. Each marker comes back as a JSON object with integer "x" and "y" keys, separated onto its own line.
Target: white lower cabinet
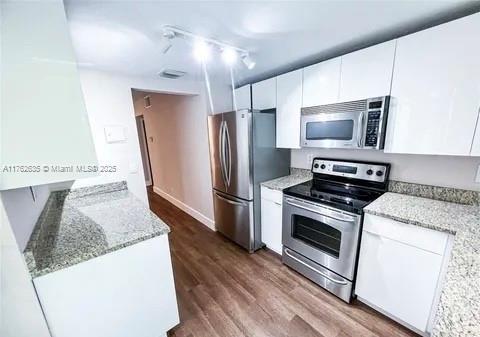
{"x": 400, "y": 270}
{"x": 272, "y": 219}
{"x": 129, "y": 292}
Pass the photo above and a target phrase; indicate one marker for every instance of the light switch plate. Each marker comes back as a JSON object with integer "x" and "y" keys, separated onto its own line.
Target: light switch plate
{"x": 477, "y": 178}
{"x": 115, "y": 134}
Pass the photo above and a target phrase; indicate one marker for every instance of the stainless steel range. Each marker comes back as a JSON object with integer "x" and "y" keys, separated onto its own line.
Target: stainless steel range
{"x": 322, "y": 221}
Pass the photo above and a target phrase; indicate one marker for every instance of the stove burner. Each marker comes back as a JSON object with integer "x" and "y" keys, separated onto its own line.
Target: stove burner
{"x": 345, "y": 196}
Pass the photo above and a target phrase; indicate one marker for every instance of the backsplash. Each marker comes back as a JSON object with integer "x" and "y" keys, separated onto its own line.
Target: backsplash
{"x": 459, "y": 196}
{"x": 447, "y": 171}
{"x": 466, "y": 197}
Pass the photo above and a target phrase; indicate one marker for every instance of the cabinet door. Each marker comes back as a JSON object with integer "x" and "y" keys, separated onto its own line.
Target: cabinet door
{"x": 289, "y": 103}
{"x": 398, "y": 278}
{"x": 264, "y": 94}
{"x": 128, "y": 292}
{"x": 367, "y": 73}
{"x": 321, "y": 83}
{"x": 243, "y": 98}
{"x": 44, "y": 119}
{"x": 271, "y": 216}
{"x": 476, "y": 140}
{"x": 436, "y": 90}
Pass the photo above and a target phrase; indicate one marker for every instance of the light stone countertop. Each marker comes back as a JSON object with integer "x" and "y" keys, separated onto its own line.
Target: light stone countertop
{"x": 297, "y": 176}
{"x": 78, "y": 225}
{"x": 459, "y": 309}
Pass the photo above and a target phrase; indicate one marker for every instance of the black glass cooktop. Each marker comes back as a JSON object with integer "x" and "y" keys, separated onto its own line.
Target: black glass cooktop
{"x": 344, "y": 196}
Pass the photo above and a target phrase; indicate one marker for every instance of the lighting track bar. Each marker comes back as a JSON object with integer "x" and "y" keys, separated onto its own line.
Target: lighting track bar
{"x": 181, "y": 32}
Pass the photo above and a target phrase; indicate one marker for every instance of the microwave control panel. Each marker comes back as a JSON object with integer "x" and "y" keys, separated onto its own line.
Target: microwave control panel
{"x": 376, "y": 112}
{"x": 373, "y": 123}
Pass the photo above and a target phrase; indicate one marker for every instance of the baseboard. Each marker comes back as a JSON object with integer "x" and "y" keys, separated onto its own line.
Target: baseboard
{"x": 187, "y": 209}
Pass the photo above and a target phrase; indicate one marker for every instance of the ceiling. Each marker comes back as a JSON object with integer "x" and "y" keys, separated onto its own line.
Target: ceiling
{"x": 126, "y": 36}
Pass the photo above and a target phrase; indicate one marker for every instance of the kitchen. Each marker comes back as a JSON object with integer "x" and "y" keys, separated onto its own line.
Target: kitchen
{"x": 344, "y": 192}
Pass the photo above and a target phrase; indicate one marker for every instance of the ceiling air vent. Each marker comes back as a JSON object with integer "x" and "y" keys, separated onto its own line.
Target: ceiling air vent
{"x": 171, "y": 73}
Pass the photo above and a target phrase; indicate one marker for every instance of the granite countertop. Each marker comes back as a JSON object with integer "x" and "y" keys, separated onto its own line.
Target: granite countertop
{"x": 297, "y": 176}
{"x": 459, "y": 309}
{"x": 78, "y": 225}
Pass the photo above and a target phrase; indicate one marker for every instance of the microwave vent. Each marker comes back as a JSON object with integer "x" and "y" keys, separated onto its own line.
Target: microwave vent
{"x": 352, "y": 106}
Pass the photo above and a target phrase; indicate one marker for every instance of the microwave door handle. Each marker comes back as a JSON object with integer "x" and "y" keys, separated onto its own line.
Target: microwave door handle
{"x": 360, "y": 129}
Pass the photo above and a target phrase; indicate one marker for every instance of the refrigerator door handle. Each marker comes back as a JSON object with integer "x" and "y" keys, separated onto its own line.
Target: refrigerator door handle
{"x": 221, "y": 146}
{"x": 228, "y": 168}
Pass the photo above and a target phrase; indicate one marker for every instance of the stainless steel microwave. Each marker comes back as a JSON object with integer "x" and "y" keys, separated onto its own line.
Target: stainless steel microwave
{"x": 353, "y": 125}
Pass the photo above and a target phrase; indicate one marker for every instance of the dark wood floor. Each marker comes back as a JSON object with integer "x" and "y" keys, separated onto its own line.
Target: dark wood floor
{"x": 224, "y": 291}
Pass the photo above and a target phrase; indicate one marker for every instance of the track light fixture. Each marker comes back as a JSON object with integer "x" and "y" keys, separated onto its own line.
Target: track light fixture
{"x": 203, "y": 47}
{"x": 168, "y": 37}
{"x": 249, "y": 63}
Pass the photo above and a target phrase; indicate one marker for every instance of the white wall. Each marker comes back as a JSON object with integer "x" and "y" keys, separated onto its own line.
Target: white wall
{"x": 108, "y": 99}
{"x": 22, "y": 211}
{"x": 447, "y": 171}
{"x": 21, "y": 312}
{"x": 177, "y": 136}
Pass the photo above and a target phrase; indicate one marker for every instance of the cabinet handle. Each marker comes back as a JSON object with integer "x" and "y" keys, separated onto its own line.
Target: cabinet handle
{"x": 277, "y": 203}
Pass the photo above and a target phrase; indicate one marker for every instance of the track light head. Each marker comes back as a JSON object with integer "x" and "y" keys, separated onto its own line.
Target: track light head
{"x": 168, "y": 36}
{"x": 248, "y": 61}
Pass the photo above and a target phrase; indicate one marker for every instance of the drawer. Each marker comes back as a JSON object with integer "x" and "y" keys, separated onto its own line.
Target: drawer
{"x": 423, "y": 238}
{"x": 272, "y": 195}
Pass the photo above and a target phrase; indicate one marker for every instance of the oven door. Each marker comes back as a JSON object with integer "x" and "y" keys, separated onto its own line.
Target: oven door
{"x": 333, "y": 130}
{"x": 322, "y": 234}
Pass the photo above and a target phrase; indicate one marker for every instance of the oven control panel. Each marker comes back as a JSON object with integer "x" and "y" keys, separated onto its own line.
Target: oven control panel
{"x": 366, "y": 171}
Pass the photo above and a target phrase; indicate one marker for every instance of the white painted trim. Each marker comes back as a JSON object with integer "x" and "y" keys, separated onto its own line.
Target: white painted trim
{"x": 187, "y": 209}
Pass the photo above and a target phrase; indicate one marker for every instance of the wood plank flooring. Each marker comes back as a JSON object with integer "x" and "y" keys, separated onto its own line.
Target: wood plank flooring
{"x": 224, "y": 291}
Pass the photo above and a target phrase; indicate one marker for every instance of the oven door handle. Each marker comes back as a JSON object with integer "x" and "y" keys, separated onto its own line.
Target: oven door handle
{"x": 287, "y": 252}
{"x": 344, "y": 218}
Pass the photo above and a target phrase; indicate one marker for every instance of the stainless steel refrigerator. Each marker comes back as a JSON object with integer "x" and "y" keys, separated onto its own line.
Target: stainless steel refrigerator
{"x": 242, "y": 155}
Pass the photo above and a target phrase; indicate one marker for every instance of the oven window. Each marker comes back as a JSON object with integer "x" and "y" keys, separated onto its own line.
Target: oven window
{"x": 336, "y": 130}
{"x": 316, "y": 234}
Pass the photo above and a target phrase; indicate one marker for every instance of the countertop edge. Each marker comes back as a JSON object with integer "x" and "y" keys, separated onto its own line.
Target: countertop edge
{"x": 35, "y": 273}
{"x": 409, "y": 221}
{"x": 79, "y": 256}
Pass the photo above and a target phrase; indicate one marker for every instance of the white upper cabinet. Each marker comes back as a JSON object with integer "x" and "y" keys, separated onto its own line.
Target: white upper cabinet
{"x": 476, "y": 141}
{"x": 436, "y": 90}
{"x": 367, "y": 73}
{"x": 289, "y": 103}
{"x": 264, "y": 94}
{"x": 44, "y": 119}
{"x": 321, "y": 83}
{"x": 243, "y": 98}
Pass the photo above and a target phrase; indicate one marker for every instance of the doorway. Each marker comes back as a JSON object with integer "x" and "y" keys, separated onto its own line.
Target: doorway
{"x": 142, "y": 139}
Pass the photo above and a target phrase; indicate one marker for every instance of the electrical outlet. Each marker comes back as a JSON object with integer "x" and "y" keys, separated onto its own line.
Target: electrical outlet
{"x": 477, "y": 178}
